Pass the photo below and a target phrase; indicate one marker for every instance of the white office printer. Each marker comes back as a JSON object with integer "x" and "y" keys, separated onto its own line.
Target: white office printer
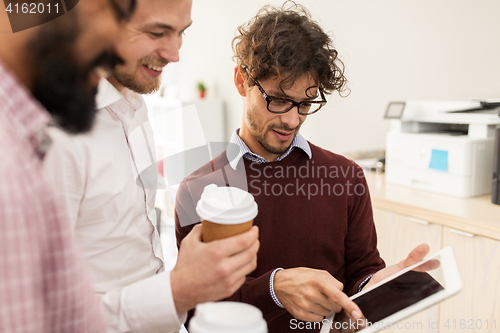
{"x": 442, "y": 146}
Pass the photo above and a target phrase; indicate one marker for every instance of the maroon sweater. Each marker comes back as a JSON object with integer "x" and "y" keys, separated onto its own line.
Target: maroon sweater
{"x": 313, "y": 213}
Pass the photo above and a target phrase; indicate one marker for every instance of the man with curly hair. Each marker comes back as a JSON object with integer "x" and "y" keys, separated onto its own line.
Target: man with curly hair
{"x": 318, "y": 239}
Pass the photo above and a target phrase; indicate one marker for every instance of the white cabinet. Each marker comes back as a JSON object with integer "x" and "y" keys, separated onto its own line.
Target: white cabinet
{"x": 187, "y": 136}
{"x": 477, "y": 307}
{"x": 397, "y": 236}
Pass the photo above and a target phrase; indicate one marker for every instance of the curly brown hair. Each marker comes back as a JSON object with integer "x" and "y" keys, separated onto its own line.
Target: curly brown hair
{"x": 286, "y": 43}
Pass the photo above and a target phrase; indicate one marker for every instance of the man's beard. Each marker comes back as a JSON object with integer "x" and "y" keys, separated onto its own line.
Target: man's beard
{"x": 260, "y": 132}
{"x": 131, "y": 79}
{"x": 61, "y": 84}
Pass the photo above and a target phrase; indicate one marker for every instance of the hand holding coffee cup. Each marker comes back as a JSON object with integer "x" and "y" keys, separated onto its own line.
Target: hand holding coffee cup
{"x": 225, "y": 212}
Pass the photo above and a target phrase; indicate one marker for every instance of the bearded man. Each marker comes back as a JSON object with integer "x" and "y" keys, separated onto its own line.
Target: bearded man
{"x": 47, "y": 74}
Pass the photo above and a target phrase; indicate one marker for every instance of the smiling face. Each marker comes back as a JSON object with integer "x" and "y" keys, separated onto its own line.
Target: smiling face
{"x": 150, "y": 41}
{"x": 265, "y": 133}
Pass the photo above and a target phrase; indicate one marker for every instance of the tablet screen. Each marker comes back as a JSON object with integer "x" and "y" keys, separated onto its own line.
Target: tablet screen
{"x": 404, "y": 293}
{"x": 397, "y": 294}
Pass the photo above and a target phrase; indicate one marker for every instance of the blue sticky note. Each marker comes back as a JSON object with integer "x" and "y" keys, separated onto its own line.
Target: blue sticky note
{"x": 439, "y": 160}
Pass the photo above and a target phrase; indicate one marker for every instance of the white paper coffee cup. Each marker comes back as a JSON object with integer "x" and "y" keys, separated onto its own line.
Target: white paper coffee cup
{"x": 225, "y": 211}
{"x": 227, "y": 317}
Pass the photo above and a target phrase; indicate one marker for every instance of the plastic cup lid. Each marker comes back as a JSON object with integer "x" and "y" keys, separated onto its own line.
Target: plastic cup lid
{"x": 227, "y": 317}
{"x": 226, "y": 205}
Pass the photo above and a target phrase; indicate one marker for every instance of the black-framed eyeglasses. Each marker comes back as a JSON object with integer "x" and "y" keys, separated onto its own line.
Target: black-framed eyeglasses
{"x": 283, "y": 105}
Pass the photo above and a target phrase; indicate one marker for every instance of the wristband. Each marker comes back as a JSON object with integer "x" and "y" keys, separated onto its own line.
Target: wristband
{"x": 271, "y": 288}
{"x": 365, "y": 281}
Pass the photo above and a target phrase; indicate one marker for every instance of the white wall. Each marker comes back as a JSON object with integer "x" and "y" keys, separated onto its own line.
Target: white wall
{"x": 392, "y": 49}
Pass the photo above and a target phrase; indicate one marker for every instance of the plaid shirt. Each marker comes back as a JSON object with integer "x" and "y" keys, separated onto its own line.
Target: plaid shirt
{"x": 43, "y": 286}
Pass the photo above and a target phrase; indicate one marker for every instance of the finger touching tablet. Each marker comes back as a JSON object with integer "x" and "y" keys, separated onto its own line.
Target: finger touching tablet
{"x": 409, "y": 291}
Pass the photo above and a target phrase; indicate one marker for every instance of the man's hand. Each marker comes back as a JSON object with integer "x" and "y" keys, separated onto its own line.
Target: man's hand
{"x": 415, "y": 256}
{"x": 310, "y": 294}
{"x": 212, "y": 271}
{"x": 344, "y": 324}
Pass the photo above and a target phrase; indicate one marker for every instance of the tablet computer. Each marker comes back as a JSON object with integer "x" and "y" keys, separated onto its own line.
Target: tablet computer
{"x": 401, "y": 295}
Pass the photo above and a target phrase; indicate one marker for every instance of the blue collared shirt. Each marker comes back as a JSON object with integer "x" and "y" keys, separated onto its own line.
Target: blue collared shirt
{"x": 234, "y": 155}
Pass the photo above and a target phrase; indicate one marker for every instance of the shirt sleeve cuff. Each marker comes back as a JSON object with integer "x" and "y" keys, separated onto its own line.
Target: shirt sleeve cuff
{"x": 150, "y": 305}
{"x": 364, "y": 282}
{"x": 271, "y": 288}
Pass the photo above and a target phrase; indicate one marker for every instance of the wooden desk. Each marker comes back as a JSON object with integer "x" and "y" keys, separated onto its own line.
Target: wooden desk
{"x": 475, "y": 215}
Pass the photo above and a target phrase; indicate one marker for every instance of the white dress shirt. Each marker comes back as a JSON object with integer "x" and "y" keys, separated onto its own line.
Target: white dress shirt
{"x": 110, "y": 200}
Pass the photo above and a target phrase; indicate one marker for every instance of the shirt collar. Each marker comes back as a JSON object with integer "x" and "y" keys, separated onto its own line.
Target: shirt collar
{"x": 107, "y": 94}
{"x": 20, "y": 105}
{"x": 238, "y": 149}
